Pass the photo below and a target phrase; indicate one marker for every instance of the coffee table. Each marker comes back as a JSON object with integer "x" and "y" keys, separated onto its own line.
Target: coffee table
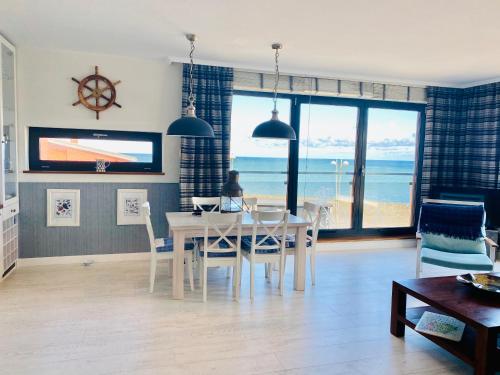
{"x": 479, "y": 310}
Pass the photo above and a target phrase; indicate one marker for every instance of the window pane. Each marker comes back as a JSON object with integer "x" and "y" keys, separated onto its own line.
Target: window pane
{"x": 390, "y": 165}
{"x": 74, "y": 149}
{"x": 326, "y": 161}
{"x": 262, "y": 163}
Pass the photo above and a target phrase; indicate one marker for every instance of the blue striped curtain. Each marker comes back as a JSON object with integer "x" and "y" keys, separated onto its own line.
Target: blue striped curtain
{"x": 462, "y": 138}
{"x": 205, "y": 162}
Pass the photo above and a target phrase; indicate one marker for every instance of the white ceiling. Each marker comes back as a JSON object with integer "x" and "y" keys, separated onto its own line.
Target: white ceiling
{"x": 445, "y": 42}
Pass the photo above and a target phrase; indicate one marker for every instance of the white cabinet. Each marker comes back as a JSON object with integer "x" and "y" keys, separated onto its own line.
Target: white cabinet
{"x": 9, "y": 187}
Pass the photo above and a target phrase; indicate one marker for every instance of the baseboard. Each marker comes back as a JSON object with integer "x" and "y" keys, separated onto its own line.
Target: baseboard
{"x": 321, "y": 247}
{"x": 79, "y": 259}
{"x": 366, "y": 245}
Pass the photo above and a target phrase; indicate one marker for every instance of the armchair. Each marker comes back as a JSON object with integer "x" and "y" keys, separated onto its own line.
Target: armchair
{"x": 452, "y": 234}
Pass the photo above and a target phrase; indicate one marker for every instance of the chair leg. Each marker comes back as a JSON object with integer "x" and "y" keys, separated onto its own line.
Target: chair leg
{"x": 228, "y": 272}
{"x": 266, "y": 270}
{"x": 238, "y": 279}
{"x": 189, "y": 263}
{"x": 252, "y": 279}
{"x": 240, "y": 272}
{"x": 170, "y": 267}
{"x": 419, "y": 268}
{"x": 282, "y": 274}
{"x": 312, "y": 262}
{"x": 419, "y": 259}
{"x": 152, "y": 275}
{"x": 204, "y": 282}
{"x": 200, "y": 272}
{"x": 236, "y": 269}
{"x": 270, "y": 270}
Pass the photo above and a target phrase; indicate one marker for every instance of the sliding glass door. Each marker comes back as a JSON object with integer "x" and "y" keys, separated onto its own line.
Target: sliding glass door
{"x": 327, "y": 151}
{"x": 262, "y": 163}
{"x": 389, "y": 168}
{"x": 359, "y": 159}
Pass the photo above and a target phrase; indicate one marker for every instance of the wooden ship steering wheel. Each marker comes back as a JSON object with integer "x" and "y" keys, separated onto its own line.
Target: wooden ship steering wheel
{"x": 96, "y": 92}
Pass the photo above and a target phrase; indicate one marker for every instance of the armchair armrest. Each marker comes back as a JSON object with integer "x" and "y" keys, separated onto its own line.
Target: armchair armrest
{"x": 490, "y": 242}
{"x": 493, "y": 248}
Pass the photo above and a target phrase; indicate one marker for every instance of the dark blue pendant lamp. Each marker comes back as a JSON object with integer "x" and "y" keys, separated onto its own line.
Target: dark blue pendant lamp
{"x": 274, "y": 128}
{"x": 190, "y": 125}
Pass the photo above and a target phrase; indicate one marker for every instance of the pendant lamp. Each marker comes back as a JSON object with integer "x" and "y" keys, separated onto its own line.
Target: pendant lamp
{"x": 190, "y": 125}
{"x": 274, "y": 128}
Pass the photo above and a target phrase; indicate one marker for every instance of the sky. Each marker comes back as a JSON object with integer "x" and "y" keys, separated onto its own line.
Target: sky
{"x": 326, "y": 131}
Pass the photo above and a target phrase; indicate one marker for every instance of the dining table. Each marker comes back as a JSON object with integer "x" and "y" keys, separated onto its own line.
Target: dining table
{"x": 182, "y": 225}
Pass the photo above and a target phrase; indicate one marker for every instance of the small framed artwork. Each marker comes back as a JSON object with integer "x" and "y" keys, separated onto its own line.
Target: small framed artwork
{"x": 129, "y": 206}
{"x": 63, "y": 208}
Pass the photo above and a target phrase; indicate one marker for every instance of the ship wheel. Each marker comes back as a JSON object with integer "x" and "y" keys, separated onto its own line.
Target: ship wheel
{"x": 96, "y": 92}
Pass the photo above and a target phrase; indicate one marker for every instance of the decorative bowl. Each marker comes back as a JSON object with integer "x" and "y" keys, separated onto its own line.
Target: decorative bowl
{"x": 482, "y": 281}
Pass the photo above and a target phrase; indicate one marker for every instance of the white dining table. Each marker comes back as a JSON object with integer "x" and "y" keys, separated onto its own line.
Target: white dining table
{"x": 184, "y": 225}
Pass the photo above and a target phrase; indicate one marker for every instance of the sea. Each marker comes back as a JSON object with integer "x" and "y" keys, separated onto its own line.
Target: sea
{"x": 325, "y": 179}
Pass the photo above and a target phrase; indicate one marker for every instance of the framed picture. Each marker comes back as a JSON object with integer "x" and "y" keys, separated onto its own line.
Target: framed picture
{"x": 63, "y": 208}
{"x": 129, "y": 206}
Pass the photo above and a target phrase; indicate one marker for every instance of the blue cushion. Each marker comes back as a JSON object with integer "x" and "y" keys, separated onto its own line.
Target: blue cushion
{"x": 246, "y": 245}
{"x": 453, "y": 244}
{"x": 222, "y": 244}
{"x": 168, "y": 245}
{"x": 473, "y": 262}
{"x": 290, "y": 241}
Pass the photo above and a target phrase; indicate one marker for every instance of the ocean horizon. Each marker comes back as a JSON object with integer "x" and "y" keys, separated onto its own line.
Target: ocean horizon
{"x": 386, "y": 180}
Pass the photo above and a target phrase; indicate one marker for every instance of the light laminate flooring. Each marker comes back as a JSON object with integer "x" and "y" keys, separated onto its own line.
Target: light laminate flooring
{"x": 101, "y": 319}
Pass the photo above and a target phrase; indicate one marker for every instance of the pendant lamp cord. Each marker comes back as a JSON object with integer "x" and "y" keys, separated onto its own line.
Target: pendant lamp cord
{"x": 276, "y": 76}
{"x": 191, "y": 63}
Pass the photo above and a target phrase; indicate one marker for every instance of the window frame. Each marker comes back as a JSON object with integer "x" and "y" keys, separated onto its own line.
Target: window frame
{"x": 363, "y": 105}
{"x": 35, "y": 164}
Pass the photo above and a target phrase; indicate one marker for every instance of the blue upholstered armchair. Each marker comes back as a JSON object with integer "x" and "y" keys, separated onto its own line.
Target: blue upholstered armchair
{"x": 452, "y": 234}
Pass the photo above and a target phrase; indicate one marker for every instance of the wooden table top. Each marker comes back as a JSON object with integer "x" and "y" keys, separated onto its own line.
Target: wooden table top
{"x": 186, "y": 220}
{"x": 463, "y": 301}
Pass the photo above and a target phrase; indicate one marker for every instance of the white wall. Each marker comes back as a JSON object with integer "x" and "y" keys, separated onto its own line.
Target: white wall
{"x": 150, "y": 93}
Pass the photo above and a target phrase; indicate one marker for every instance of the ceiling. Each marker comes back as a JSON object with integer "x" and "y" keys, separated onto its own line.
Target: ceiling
{"x": 440, "y": 42}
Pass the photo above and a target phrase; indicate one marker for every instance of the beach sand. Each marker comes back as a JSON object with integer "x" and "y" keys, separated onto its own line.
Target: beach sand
{"x": 337, "y": 214}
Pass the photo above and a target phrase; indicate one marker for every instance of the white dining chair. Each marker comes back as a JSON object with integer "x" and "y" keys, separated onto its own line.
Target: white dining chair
{"x": 249, "y": 204}
{"x": 267, "y": 248}
{"x": 206, "y": 204}
{"x": 163, "y": 249}
{"x": 312, "y": 213}
{"x": 219, "y": 249}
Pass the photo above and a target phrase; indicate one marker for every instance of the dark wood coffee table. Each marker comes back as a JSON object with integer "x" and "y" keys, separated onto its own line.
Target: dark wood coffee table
{"x": 478, "y": 309}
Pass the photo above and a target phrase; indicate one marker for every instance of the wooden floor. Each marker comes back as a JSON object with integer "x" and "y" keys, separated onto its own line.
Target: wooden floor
{"x": 100, "y": 319}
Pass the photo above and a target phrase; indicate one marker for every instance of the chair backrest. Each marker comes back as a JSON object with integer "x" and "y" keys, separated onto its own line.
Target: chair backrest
{"x": 453, "y": 226}
{"x": 312, "y": 213}
{"x": 275, "y": 226}
{"x": 218, "y": 228}
{"x": 149, "y": 226}
{"x": 206, "y": 204}
{"x": 249, "y": 204}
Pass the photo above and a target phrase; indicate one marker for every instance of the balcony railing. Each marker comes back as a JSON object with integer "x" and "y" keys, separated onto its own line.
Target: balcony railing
{"x": 387, "y": 203}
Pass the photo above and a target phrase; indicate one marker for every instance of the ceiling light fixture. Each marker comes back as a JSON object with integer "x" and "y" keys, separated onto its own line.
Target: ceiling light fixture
{"x": 190, "y": 125}
{"x": 275, "y": 128}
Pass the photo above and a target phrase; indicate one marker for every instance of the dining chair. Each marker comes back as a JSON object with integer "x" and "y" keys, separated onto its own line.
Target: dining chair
{"x": 163, "y": 249}
{"x": 206, "y": 204}
{"x": 311, "y": 212}
{"x": 220, "y": 249}
{"x": 268, "y": 248}
{"x": 249, "y": 204}
{"x": 452, "y": 234}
